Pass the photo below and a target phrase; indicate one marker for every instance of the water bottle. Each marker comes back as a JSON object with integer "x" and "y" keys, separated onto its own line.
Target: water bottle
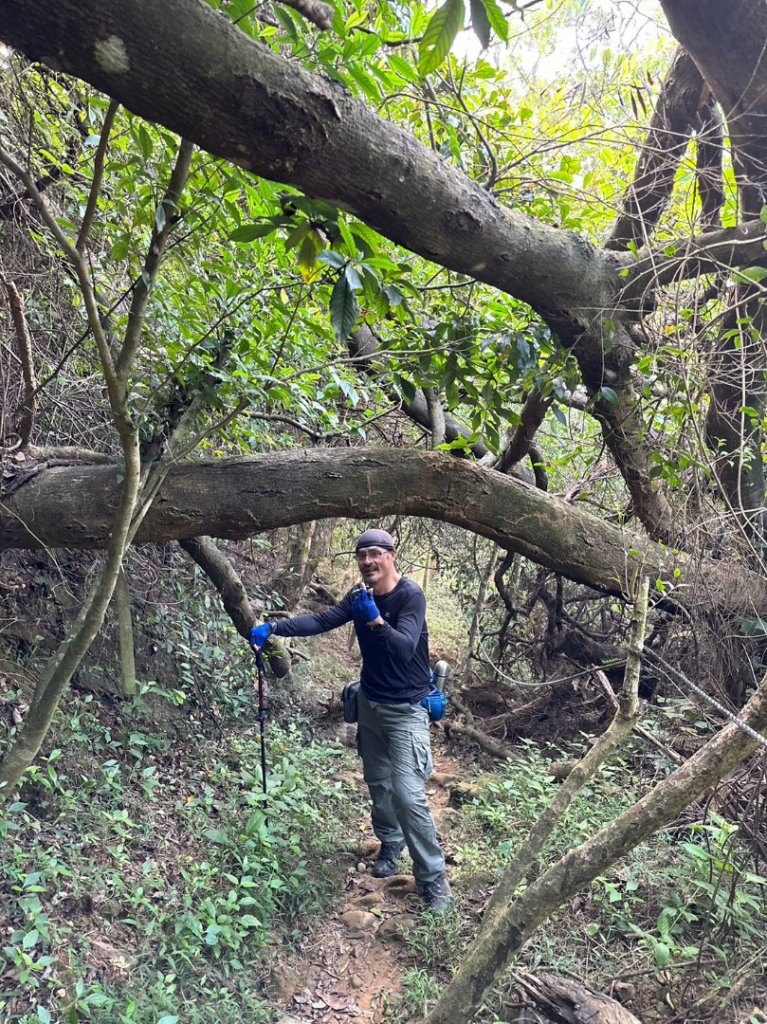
{"x": 439, "y": 675}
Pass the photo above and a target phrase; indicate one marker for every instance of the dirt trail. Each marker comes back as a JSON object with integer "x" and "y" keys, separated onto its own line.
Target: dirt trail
{"x": 351, "y": 964}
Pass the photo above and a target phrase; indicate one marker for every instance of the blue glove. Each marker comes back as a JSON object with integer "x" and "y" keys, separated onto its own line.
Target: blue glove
{"x": 364, "y": 608}
{"x": 260, "y": 634}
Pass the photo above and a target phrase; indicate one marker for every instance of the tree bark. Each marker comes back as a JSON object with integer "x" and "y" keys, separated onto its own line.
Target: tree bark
{"x": 728, "y": 45}
{"x": 667, "y": 139}
{"x": 125, "y": 633}
{"x": 235, "y": 498}
{"x": 26, "y": 412}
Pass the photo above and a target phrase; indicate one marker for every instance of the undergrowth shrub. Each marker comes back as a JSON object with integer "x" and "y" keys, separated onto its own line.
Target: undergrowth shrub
{"x": 143, "y": 881}
{"x": 688, "y": 899}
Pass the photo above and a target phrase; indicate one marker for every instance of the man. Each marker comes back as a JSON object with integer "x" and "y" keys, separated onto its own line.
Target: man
{"x": 389, "y": 615}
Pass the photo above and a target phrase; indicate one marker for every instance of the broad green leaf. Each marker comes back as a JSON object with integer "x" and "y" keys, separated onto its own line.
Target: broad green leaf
{"x": 406, "y": 70}
{"x": 750, "y": 275}
{"x": 480, "y": 22}
{"x": 559, "y": 415}
{"x": 43, "y": 1015}
{"x": 216, "y": 836}
{"x": 367, "y": 85}
{"x": 444, "y": 26}
{"x": 333, "y": 259}
{"x": 307, "y": 257}
{"x": 662, "y": 954}
{"x": 394, "y": 295}
{"x": 145, "y": 142}
{"x": 408, "y": 389}
{"x": 344, "y": 309}
{"x": 354, "y": 279}
{"x": 287, "y": 22}
{"x": 297, "y": 235}
{"x": 249, "y": 232}
{"x": 348, "y": 237}
{"x": 610, "y": 395}
{"x": 497, "y": 21}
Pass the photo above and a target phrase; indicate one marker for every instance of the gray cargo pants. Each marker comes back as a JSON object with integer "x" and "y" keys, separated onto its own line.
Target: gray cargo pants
{"x": 394, "y": 744}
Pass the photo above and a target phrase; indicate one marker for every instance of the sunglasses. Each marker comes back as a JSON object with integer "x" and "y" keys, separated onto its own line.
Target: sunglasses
{"x": 372, "y": 553}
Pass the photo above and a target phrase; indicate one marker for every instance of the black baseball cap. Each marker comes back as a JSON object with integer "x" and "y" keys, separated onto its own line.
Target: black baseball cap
{"x": 376, "y": 539}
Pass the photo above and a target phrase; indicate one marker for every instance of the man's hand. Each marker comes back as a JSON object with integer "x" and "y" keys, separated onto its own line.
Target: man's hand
{"x": 364, "y": 608}
{"x": 260, "y": 634}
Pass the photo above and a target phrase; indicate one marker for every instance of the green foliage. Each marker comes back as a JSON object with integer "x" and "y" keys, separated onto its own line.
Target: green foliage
{"x": 514, "y": 797}
{"x": 420, "y": 988}
{"x": 672, "y": 903}
{"x": 444, "y": 25}
{"x": 182, "y": 866}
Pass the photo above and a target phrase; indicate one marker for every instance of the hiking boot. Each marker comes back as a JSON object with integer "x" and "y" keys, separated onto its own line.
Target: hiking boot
{"x": 436, "y": 894}
{"x": 386, "y": 861}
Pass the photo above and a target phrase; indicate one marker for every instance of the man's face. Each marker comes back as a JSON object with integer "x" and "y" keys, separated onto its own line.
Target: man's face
{"x": 375, "y": 565}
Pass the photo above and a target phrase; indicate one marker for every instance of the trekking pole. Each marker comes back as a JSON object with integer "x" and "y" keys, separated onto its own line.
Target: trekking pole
{"x": 261, "y": 714}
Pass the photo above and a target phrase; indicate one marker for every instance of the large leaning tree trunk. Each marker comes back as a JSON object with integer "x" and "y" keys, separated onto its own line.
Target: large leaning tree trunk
{"x": 234, "y": 498}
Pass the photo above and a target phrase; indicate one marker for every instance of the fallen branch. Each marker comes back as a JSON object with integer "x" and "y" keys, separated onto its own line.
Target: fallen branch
{"x": 568, "y": 1002}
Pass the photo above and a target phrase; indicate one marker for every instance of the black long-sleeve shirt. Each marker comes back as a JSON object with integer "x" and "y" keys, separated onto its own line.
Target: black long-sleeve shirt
{"x": 395, "y": 656}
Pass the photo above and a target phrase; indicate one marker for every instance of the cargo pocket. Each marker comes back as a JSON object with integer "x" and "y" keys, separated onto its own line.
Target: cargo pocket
{"x": 422, "y": 755}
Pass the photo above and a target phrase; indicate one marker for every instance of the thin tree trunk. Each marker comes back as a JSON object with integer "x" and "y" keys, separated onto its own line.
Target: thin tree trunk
{"x": 479, "y": 608}
{"x": 620, "y": 727}
{"x": 496, "y": 947}
{"x": 125, "y": 633}
{"x": 61, "y": 667}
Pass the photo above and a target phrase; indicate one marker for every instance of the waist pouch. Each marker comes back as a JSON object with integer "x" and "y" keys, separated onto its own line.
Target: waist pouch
{"x": 434, "y": 702}
{"x": 349, "y": 701}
